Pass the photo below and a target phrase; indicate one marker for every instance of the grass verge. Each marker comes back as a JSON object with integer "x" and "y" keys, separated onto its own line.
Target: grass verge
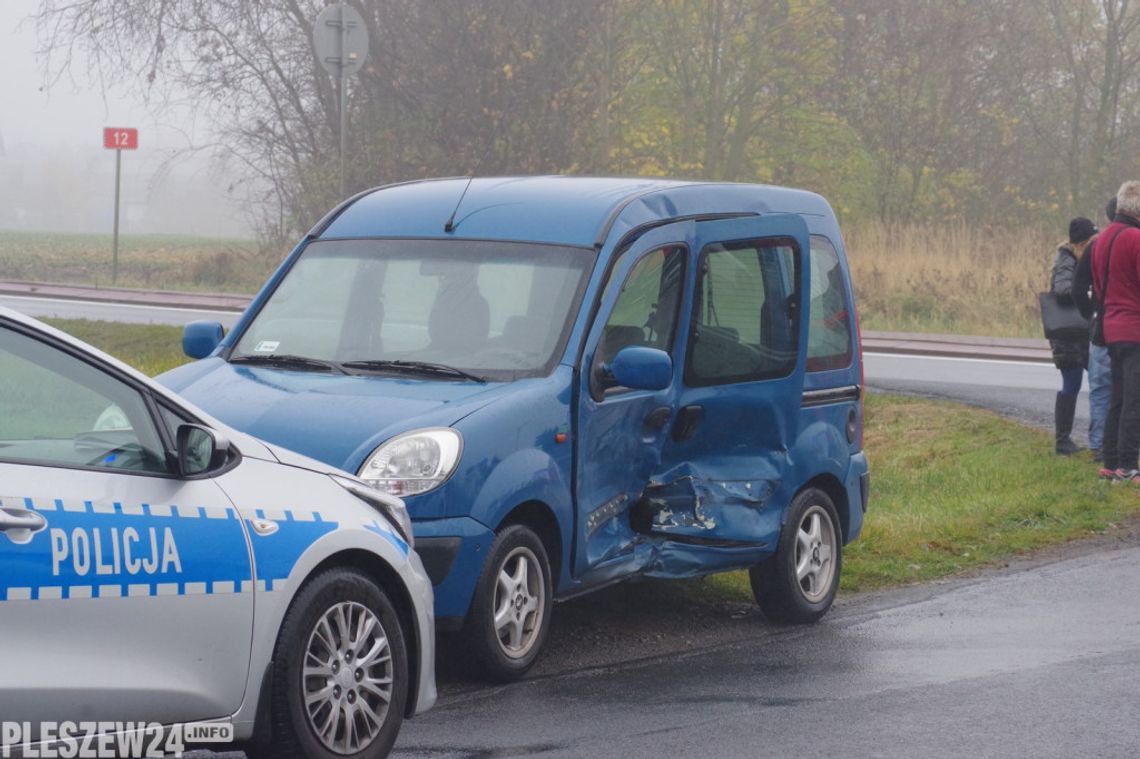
{"x": 150, "y": 348}
{"x": 953, "y": 489}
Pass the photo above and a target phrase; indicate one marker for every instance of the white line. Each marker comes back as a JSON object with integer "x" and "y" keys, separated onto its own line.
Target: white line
{"x": 919, "y": 357}
{"x": 117, "y": 304}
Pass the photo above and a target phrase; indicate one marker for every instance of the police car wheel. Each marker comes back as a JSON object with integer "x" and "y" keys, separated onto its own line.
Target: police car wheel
{"x": 798, "y": 584}
{"x": 510, "y": 615}
{"x": 340, "y": 671}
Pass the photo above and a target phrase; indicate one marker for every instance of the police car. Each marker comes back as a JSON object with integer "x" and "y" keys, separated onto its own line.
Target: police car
{"x": 159, "y": 568}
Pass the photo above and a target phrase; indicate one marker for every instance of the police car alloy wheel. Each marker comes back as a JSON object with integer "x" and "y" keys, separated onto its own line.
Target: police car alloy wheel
{"x": 798, "y": 584}
{"x": 341, "y": 671}
{"x": 510, "y": 616}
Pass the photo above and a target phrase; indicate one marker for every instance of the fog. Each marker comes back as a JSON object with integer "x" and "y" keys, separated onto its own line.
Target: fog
{"x": 55, "y": 174}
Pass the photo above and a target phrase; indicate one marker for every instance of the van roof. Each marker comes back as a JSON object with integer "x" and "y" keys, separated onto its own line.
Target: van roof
{"x": 564, "y": 210}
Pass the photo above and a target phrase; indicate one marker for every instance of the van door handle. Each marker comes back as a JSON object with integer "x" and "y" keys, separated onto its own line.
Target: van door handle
{"x": 687, "y": 420}
{"x": 658, "y": 417}
{"x": 19, "y": 525}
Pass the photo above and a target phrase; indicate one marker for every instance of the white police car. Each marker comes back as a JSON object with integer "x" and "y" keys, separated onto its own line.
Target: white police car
{"x": 159, "y": 568}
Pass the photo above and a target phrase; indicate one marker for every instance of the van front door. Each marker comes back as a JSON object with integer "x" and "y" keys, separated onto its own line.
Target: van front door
{"x": 621, "y": 431}
{"x": 683, "y": 480}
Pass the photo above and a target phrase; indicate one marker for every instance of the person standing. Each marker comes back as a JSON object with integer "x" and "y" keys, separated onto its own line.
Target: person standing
{"x": 1099, "y": 366}
{"x": 1071, "y": 357}
{"x": 1116, "y": 282}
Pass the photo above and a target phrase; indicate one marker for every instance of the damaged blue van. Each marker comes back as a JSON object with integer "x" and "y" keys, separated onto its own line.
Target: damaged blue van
{"x": 570, "y": 382}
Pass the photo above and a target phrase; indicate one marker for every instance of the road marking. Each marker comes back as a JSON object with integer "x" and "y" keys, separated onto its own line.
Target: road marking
{"x": 117, "y": 304}
{"x": 922, "y": 357}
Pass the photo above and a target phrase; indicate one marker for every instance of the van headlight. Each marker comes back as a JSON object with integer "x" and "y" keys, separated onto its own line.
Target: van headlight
{"x": 414, "y": 462}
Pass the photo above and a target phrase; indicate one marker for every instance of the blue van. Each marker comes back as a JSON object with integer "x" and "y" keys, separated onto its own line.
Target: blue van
{"x": 571, "y": 382}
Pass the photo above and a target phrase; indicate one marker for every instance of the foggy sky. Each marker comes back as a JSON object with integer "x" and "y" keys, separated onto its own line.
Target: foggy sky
{"x": 51, "y": 140}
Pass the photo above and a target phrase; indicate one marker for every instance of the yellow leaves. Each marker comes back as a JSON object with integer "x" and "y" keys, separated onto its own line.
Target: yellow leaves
{"x": 508, "y": 71}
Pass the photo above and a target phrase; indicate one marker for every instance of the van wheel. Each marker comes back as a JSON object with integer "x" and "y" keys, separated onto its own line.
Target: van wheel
{"x": 340, "y": 677}
{"x": 798, "y": 584}
{"x": 510, "y": 615}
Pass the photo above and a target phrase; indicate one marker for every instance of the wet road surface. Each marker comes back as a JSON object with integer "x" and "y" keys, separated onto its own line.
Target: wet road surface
{"x": 1036, "y": 662}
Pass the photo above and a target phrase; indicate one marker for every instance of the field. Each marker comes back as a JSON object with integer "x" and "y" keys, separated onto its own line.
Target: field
{"x": 954, "y": 279}
{"x": 157, "y": 262}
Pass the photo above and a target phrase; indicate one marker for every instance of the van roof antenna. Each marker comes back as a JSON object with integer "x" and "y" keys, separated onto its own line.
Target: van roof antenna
{"x": 449, "y": 227}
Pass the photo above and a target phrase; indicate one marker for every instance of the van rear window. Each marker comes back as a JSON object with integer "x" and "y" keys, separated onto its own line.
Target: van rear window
{"x": 829, "y": 333}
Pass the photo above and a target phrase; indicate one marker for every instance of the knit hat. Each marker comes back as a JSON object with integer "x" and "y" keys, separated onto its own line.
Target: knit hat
{"x": 1081, "y": 229}
{"x": 1110, "y": 209}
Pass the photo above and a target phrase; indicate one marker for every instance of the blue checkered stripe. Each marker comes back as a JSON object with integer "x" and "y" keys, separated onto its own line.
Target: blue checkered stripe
{"x": 103, "y": 549}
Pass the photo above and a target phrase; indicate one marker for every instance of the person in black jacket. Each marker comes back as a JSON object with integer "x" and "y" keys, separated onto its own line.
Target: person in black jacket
{"x": 1100, "y": 365}
{"x": 1070, "y": 356}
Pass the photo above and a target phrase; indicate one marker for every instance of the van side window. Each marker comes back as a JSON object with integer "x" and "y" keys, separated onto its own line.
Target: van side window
{"x": 829, "y": 334}
{"x": 646, "y": 311}
{"x": 745, "y": 315}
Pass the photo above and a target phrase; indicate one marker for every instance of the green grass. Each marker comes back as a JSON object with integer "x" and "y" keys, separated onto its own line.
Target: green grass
{"x": 953, "y": 488}
{"x": 161, "y": 262}
{"x": 150, "y": 348}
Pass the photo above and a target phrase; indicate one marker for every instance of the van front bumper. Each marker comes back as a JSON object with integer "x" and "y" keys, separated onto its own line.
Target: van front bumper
{"x": 452, "y": 551}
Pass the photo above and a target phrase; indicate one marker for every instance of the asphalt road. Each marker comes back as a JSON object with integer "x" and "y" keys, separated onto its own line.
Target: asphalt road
{"x": 1031, "y": 662}
{"x": 1019, "y": 389}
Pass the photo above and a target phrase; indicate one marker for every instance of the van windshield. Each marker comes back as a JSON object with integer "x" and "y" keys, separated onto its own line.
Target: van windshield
{"x": 496, "y": 310}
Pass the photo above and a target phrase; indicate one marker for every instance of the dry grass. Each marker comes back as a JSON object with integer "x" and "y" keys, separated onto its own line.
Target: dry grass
{"x": 955, "y": 280}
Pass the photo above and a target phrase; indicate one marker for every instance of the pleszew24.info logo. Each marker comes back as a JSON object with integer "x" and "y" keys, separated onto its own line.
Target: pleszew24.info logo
{"x": 96, "y": 740}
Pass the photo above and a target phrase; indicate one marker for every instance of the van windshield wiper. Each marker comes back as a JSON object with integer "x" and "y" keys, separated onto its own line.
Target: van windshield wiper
{"x": 412, "y": 367}
{"x": 289, "y": 361}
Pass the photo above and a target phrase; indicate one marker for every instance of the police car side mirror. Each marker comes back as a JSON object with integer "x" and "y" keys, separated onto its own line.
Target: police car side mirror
{"x": 200, "y": 450}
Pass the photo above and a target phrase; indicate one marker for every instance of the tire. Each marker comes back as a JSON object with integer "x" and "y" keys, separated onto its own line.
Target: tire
{"x": 504, "y": 650}
{"x": 311, "y": 634}
{"x": 810, "y": 540}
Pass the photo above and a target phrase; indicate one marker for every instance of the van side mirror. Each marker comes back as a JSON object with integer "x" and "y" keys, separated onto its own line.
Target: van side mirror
{"x": 200, "y": 338}
{"x": 641, "y": 368}
{"x": 200, "y": 450}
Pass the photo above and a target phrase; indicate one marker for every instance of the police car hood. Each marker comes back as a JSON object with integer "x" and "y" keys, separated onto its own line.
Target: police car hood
{"x": 335, "y": 419}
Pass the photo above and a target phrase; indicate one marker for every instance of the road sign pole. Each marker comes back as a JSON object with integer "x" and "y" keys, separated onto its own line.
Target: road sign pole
{"x": 118, "y": 139}
{"x": 340, "y": 42}
{"x": 115, "y": 243}
{"x": 343, "y": 95}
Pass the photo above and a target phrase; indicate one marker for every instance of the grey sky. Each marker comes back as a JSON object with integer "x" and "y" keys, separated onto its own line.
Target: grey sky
{"x": 64, "y": 125}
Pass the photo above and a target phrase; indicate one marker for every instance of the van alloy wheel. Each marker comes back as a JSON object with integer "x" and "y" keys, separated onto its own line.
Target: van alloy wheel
{"x": 519, "y": 602}
{"x": 815, "y": 547}
{"x": 510, "y": 614}
{"x": 798, "y": 584}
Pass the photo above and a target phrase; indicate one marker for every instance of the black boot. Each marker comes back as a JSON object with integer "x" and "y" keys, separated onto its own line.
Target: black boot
{"x": 1063, "y": 412}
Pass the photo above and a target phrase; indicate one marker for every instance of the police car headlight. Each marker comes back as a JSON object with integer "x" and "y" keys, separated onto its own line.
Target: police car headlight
{"x": 389, "y": 506}
{"x": 414, "y": 462}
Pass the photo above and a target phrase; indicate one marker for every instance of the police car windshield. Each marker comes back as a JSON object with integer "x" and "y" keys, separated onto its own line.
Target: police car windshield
{"x": 494, "y": 309}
